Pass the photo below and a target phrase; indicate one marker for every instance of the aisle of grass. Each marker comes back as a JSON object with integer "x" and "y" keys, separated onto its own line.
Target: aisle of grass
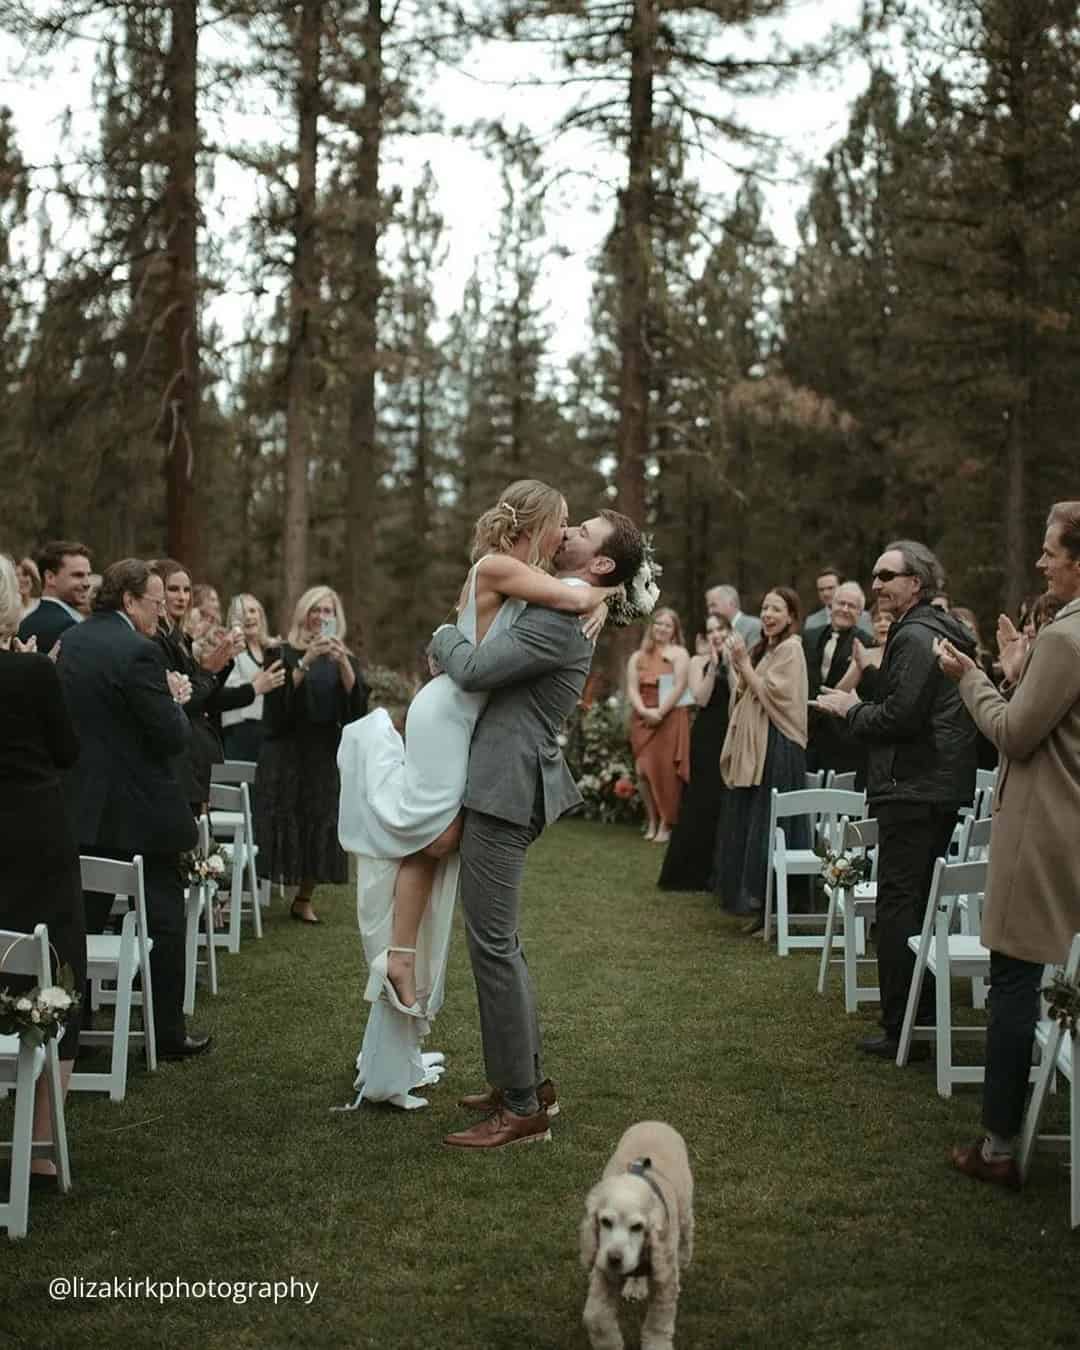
{"x": 826, "y": 1214}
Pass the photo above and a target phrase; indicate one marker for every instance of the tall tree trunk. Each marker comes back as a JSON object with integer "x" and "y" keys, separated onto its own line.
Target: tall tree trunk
{"x": 1018, "y": 357}
{"x": 302, "y": 301}
{"x": 178, "y": 424}
{"x": 363, "y": 475}
{"x": 635, "y": 267}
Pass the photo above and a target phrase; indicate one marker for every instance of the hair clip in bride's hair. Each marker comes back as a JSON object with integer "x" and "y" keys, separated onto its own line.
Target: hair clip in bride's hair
{"x": 505, "y": 506}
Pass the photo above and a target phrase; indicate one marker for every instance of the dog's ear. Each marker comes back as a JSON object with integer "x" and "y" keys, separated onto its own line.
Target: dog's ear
{"x": 590, "y": 1229}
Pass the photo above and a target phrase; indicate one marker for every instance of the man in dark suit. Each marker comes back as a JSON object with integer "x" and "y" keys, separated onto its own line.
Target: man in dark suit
{"x": 828, "y": 655}
{"x": 65, "y": 584}
{"x": 122, "y": 794}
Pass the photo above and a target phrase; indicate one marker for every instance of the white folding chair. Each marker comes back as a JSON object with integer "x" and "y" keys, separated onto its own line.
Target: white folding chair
{"x": 21, "y": 1065}
{"x": 813, "y": 804}
{"x": 974, "y": 846}
{"x": 118, "y": 958}
{"x": 198, "y": 904}
{"x": 1058, "y": 1056}
{"x": 231, "y": 820}
{"x": 946, "y": 955}
{"x": 853, "y": 907}
{"x": 233, "y": 772}
{"x": 841, "y": 782}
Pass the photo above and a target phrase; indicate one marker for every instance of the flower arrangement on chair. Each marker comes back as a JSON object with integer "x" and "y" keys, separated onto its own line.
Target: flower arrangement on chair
{"x": 843, "y": 869}
{"x": 207, "y": 868}
{"x": 39, "y": 1015}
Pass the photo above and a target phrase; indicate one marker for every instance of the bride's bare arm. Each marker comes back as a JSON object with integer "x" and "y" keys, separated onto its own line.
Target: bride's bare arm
{"x": 500, "y": 574}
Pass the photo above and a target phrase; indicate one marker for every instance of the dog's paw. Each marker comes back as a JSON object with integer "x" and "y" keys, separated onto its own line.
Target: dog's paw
{"x": 636, "y": 1290}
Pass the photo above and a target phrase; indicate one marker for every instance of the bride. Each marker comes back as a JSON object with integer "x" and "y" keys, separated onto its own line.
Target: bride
{"x": 400, "y": 808}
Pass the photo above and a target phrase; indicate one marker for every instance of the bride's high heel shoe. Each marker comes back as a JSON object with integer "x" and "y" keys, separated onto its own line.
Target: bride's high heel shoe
{"x": 379, "y": 968}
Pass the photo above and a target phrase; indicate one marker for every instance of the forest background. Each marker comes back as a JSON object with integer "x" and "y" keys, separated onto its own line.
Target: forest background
{"x": 909, "y": 368}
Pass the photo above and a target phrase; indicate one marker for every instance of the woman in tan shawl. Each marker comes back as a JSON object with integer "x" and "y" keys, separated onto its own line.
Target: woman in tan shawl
{"x": 765, "y": 748}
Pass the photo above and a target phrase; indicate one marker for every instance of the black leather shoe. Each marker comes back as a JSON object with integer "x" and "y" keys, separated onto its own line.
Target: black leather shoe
{"x": 190, "y": 1045}
{"x": 884, "y": 1047}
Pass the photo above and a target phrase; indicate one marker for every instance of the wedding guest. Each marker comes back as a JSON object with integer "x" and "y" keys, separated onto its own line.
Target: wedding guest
{"x": 242, "y": 727}
{"x": 829, "y": 652}
{"x": 825, "y": 583}
{"x": 865, "y": 665}
{"x": 122, "y": 793}
{"x": 765, "y": 748}
{"x": 921, "y": 771}
{"x": 65, "y": 579}
{"x": 688, "y": 862}
{"x": 1032, "y": 904}
{"x": 39, "y": 861}
{"x": 656, "y": 677}
{"x": 208, "y": 674}
{"x": 723, "y": 601}
{"x": 87, "y": 607}
{"x": 205, "y": 599}
{"x": 29, "y": 586}
{"x": 296, "y": 784}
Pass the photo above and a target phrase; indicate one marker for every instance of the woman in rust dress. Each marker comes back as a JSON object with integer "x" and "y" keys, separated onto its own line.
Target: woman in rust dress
{"x": 656, "y": 680}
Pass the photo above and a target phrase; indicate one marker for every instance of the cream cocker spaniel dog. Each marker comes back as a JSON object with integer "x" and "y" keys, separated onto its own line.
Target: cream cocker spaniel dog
{"x": 637, "y": 1234}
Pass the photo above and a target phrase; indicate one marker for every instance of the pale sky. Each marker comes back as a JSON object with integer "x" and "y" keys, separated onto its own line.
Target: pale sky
{"x": 807, "y": 118}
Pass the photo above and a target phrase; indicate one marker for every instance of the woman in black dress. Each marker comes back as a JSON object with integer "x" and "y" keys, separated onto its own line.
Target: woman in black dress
{"x": 39, "y": 860}
{"x": 296, "y": 783}
{"x": 208, "y": 675}
{"x": 688, "y": 862}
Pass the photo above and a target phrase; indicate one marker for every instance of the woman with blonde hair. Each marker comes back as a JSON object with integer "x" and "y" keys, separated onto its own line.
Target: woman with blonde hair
{"x": 296, "y": 782}
{"x": 656, "y": 680}
{"x": 401, "y": 801}
{"x": 242, "y": 727}
{"x": 29, "y": 579}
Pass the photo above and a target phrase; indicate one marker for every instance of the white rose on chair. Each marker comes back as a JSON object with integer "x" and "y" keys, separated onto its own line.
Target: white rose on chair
{"x": 843, "y": 869}
{"x": 55, "y": 997}
{"x": 39, "y": 1015}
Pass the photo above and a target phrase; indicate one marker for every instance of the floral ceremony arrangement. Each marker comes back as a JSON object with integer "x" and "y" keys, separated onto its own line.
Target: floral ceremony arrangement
{"x": 843, "y": 869}
{"x": 39, "y": 1015}
{"x": 205, "y": 869}
{"x": 1063, "y": 1002}
{"x": 598, "y": 756}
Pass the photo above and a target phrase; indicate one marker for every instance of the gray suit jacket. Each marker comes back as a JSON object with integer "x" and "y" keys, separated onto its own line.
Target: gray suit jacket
{"x": 748, "y": 628}
{"x": 535, "y": 671}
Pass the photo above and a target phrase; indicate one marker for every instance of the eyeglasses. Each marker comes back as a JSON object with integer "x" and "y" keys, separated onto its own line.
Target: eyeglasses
{"x": 885, "y": 574}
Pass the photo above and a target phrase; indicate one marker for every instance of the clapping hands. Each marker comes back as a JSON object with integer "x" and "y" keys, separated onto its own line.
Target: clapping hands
{"x": 179, "y": 686}
{"x": 1012, "y": 648}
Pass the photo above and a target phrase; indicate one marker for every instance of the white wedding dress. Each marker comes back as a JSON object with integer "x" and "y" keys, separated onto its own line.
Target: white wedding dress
{"x": 396, "y": 798}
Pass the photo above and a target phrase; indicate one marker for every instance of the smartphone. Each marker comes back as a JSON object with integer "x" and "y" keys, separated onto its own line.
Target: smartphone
{"x": 328, "y": 628}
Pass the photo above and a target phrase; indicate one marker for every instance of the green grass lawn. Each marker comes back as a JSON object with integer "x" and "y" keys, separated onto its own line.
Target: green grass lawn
{"x": 826, "y": 1215}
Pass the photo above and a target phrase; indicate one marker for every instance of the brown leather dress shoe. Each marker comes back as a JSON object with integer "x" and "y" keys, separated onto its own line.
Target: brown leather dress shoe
{"x": 502, "y": 1128}
{"x": 492, "y": 1099}
{"x": 999, "y": 1172}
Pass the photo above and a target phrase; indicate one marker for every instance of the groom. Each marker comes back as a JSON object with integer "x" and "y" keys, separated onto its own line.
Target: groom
{"x": 517, "y": 784}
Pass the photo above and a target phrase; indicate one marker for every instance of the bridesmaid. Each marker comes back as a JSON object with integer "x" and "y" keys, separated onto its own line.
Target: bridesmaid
{"x": 659, "y": 730}
{"x": 688, "y": 863}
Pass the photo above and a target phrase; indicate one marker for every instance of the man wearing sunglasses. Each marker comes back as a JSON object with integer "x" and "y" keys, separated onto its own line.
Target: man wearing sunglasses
{"x": 921, "y": 769}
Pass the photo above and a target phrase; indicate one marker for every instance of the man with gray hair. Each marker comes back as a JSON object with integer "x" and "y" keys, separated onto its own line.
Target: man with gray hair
{"x": 723, "y": 601}
{"x": 828, "y": 656}
{"x": 920, "y": 770}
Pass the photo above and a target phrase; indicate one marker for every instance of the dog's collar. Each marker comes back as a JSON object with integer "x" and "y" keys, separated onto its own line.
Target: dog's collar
{"x": 643, "y": 1168}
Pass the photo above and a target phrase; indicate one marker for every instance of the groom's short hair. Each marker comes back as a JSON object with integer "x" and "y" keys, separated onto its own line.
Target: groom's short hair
{"x": 623, "y": 546}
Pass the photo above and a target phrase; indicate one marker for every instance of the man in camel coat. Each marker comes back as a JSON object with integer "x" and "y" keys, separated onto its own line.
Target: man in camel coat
{"x": 1032, "y": 906}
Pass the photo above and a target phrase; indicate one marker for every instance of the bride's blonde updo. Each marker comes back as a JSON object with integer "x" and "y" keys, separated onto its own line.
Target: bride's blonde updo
{"x": 525, "y": 507}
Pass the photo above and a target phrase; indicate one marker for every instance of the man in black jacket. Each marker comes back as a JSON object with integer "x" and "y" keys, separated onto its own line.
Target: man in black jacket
{"x": 921, "y": 768}
{"x": 122, "y": 794}
{"x": 65, "y": 583}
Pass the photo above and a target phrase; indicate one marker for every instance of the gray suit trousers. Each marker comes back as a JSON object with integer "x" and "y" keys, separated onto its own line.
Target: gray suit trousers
{"x": 492, "y": 863}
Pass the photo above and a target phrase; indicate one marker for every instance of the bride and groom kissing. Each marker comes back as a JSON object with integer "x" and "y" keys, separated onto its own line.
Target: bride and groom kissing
{"x": 457, "y": 804}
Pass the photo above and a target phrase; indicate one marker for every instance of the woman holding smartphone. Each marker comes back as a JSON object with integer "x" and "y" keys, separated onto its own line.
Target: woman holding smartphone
{"x": 296, "y": 783}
